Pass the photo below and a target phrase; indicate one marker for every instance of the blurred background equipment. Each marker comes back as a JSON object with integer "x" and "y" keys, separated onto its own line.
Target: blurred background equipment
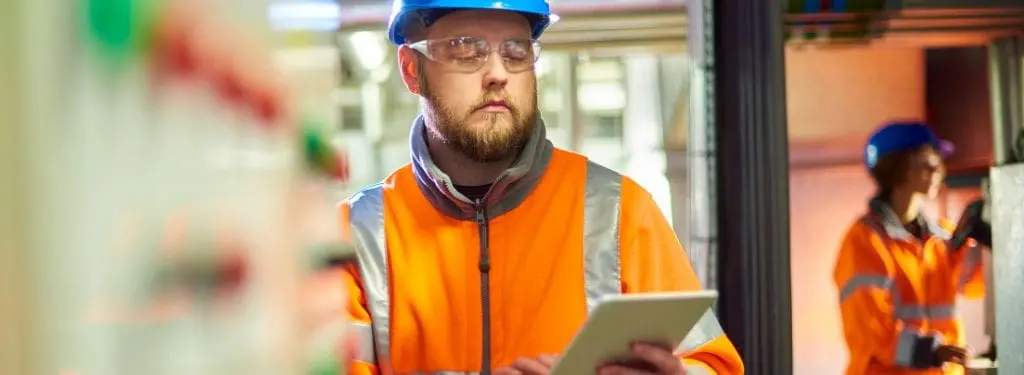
{"x": 163, "y": 199}
{"x": 849, "y": 22}
{"x": 1006, "y": 58}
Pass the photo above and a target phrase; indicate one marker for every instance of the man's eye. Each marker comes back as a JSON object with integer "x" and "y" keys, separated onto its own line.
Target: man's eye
{"x": 456, "y": 44}
{"x": 463, "y": 54}
{"x": 461, "y": 51}
{"x": 516, "y": 51}
{"x": 471, "y": 60}
{"x": 515, "y": 55}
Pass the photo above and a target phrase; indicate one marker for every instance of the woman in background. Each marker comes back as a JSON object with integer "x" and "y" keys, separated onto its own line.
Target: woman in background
{"x": 897, "y": 274}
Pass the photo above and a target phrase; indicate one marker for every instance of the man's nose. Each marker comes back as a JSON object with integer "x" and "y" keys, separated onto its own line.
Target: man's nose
{"x": 495, "y": 74}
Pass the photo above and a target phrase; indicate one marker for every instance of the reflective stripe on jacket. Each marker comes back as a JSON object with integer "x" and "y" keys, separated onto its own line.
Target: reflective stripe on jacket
{"x": 447, "y": 286}
{"x": 896, "y": 292}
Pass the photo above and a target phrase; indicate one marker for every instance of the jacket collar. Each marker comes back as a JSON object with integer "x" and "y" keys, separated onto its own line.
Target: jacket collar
{"x": 890, "y": 222}
{"x": 507, "y": 192}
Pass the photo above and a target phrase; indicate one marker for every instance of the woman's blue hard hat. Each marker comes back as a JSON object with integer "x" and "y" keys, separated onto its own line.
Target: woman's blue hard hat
{"x": 538, "y": 12}
{"x": 901, "y": 136}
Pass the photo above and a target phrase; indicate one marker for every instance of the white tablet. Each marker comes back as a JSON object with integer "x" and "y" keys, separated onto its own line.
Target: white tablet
{"x": 620, "y": 320}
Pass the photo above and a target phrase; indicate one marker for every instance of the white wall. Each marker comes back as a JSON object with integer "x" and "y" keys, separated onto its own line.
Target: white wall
{"x": 823, "y": 203}
{"x": 840, "y": 92}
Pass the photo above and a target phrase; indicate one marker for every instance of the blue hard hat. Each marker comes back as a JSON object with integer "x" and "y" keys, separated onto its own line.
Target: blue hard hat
{"x": 901, "y": 136}
{"x": 428, "y": 11}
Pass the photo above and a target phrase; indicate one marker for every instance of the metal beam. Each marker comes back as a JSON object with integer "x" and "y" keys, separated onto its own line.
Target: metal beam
{"x": 571, "y": 102}
{"x": 753, "y": 182}
{"x": 1005, "y": 81}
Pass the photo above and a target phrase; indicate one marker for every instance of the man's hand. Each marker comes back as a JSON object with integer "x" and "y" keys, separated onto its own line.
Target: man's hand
{"x": 951, "y": 354}
{"x": 656, "y": 359}
{"x": 527, "y": 366}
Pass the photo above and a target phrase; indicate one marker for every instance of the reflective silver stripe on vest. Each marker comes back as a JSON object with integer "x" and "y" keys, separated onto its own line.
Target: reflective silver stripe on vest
{"x": 905, "y": 348}
{"x": 602, "y": 271}
{"x": 906, "y": 339}
{"x": 601, "y": 203}
{"x": 367, "y": 222}
{"x": 901, "y": 311}
{"x": 706, "y": 330}
{"x": 364, "y": 333}
{"x": 863, "y": 281}
{"x": 905, "y": 342}
{"x": 908, "y": 312}
{"x": 696, "y": 370}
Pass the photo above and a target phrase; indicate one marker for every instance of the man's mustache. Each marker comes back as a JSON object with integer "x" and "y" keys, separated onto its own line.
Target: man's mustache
{"x": 504, "y": 100}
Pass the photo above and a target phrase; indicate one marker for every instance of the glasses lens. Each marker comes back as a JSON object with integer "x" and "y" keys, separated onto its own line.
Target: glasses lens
{"x": 519, "y": 55}
{"x": 469, "y": 54}
{"x": 465, "y": 54}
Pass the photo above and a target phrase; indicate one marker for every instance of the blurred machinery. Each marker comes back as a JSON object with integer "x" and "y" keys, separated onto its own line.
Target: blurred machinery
{"x": 161, "y": 194}
{"x": 928, "y": 22}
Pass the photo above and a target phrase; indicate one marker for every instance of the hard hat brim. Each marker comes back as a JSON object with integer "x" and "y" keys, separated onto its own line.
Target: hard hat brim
{"x": 539, "y": 20}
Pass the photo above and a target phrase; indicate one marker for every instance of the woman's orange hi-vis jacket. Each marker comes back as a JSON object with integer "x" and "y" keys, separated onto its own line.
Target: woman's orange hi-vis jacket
{"x": 898, "y": 294}
{"x": 443, "y": 285}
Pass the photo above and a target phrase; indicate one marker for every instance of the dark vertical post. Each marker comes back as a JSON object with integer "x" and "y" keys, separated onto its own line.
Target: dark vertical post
{"x": 1007, "y": 93}
{"x": 753, "y": 182}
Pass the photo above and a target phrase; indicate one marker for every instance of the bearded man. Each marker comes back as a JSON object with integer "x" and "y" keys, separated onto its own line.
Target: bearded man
{"x": 487, "y": 252}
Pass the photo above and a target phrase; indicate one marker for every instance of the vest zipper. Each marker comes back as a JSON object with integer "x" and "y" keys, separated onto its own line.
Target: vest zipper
{"x": 485, "y": 286}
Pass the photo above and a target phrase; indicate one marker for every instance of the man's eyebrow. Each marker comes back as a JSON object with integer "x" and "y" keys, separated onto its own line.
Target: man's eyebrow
{"x": 517, "y": 37}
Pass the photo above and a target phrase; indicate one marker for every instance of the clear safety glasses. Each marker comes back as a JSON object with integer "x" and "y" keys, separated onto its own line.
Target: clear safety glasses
{"x": 468, "y": 54}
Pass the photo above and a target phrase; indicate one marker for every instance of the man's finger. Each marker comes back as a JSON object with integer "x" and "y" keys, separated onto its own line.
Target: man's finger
{"x": 620, "y": 370}
{"x": 507, "y": 371}
{"x": 547, "y": 360}
{"x": 655, "y": 344}
{"x": 530, "y": 367}
{"x": 663, "y": 359}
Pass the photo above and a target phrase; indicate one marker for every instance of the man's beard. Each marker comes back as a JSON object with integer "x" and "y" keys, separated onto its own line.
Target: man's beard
{"x": 488, "y": 143}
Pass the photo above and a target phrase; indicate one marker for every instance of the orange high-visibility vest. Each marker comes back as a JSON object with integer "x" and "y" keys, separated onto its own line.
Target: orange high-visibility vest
{"x": 443, "y": 285}
{"x": 897, "y": 292}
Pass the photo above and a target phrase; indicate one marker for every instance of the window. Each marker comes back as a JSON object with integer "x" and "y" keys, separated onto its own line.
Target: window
{"x": 603, "y": 125}
{"x": 351, "y": 119}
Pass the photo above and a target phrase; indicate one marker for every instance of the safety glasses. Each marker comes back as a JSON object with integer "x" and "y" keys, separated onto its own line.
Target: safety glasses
{"x": 468, "y": 54}
{"x": 930, "y": 165}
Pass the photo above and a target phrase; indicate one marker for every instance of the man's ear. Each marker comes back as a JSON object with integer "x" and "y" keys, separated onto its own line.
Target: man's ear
{"x": 407, "y": 65}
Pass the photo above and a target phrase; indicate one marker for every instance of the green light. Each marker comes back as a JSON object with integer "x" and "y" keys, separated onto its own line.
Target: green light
{"x": 122, "y": 28}
{"x": 327, "y": 366}
{"x": 314, "y": 147}
{"x": 320, "y": 155}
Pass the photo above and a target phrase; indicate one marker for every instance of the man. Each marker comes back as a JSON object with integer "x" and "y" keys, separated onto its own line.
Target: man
{"x": 485, "y": 254}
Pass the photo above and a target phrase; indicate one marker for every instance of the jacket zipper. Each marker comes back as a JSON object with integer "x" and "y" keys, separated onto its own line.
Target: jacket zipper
{"x": 485, "y": 286}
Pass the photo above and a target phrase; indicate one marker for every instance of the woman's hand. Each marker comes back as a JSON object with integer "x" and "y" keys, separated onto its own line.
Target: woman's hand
{"x": 951, "y": 354}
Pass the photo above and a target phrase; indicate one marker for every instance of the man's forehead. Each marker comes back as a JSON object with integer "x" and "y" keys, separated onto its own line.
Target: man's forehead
{"x": 481, "y": 23}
